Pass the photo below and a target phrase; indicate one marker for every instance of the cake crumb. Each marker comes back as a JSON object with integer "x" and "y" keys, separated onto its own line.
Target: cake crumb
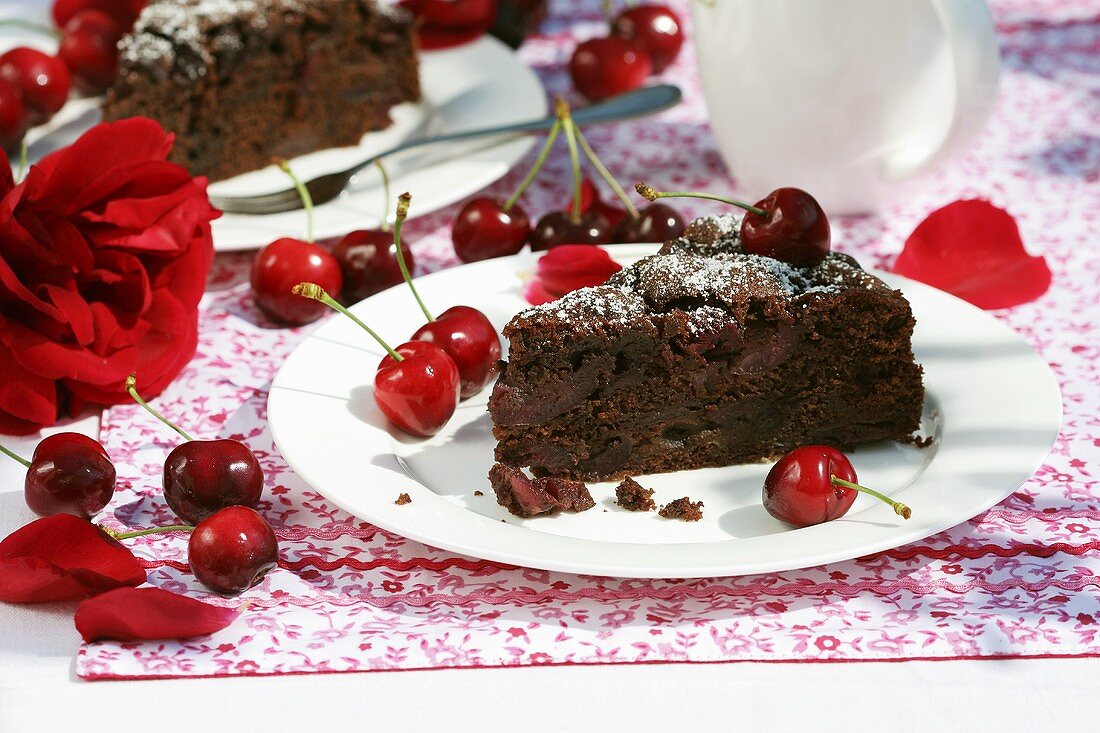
{"x": 683, "y": 508}
{"x": 479, "y": 493}
{"x": 632, "y": 496}
{"x": 403, "y": 499}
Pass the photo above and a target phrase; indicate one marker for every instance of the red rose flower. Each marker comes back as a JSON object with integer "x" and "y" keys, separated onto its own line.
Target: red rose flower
{"x": 569, "y": 267}
{"x": 104, "y": 251}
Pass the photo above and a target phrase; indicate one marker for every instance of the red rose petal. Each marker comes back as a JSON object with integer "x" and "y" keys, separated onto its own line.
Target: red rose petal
{"x": 570, "y": 267}
{"x": 133, "y": 614}
{"x": 972, "y": 249}
{"x": 63, "y": 557}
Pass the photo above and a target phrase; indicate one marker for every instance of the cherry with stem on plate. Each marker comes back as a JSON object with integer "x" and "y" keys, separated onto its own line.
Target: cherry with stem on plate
{"x": 463, "y": 332}
{"x": 279, "y": 266}
{"x": 653, "y": 28}
{"x": 203, "y": 476}
{"x": 574, "y": 226}
{"x": 487, "y": 227}
{"x": 13, "y": 117}
{"x": 89, "y": 47}
{"x": 788, "y": 224}
{"x": 232, "y": 549}
{"x": 43, "y": 81}
{"x": 416, "y": 385}
{"x": 367, "y": 257}
{"x": 68, "y": 473}
{"x": 815, "y": 484}
{"x": 604, "y": 67}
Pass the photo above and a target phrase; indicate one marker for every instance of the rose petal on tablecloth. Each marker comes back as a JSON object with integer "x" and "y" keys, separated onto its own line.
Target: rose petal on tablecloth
{"x": 132, "y": 614}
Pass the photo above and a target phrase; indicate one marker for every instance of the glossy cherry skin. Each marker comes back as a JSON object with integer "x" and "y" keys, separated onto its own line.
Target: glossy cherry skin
{"x": 604, "y": 67}
{"x": 231, "y": 550}
{"x": 470, "y": 340}
{"x": 124, "y": 12}
{"x": 558, "y": 227}
{"x": 43, "y": 80}
{"x": 13, "y": 117}
{"x": 798, "y": 490}
{"x": 284, "y": 263}
{"x": 654, "y": 223}
{"x": 69, "y": 474}
{"x": 203, "y": 476}
{"x": 655, "y": 29}
{"x": 419, "y": 393}
{"x": 368, "y": 261}
{"x": 795, "y": 229}
{"x": 483, "y": 229}
{"x": 89, "y": 47}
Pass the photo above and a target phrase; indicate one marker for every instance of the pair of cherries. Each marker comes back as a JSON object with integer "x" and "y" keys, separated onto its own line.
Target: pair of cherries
{"x": 487, "y": 227}
{"x": 643, "y": 40}
{"x": 418, "y": 385}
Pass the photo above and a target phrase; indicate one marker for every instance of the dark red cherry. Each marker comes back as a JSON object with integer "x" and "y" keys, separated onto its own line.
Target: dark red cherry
{"x": 604, "y": 67}
{"x": 654, "y": 223}
{"x": 124, "y": 12}
{"x": 203, "y": 476}
{"x": 69, "y": 473}
{"x": 280, "y": 266}
{"x": 484, "y": 229}
{"x": 655, "y": 29}
{"x": 13, "y": 117}
{"x": 418, "y": 394}
{"x": 470, "y": 340}
{"x": 558, "y": 227}
{"x": 89, "y": 47}
{"x": 368, "y": 261}
{"x": 815, "y": 484}
{"x": 231, "y": 550}
{"x": 43, "y": 80}
{"x": 794, "y": 228}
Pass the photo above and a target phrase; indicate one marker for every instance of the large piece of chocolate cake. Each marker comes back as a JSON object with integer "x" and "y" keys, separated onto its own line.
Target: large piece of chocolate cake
{"x": 243, "y": 81}
{"x": 702, "y": 355}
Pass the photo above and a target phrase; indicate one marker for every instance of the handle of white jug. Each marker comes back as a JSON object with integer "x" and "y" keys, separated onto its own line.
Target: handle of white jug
{"x": 972, "y": 38}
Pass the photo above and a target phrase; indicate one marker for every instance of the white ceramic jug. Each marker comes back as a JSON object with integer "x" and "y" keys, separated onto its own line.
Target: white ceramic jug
{"x": 851, "y": 100}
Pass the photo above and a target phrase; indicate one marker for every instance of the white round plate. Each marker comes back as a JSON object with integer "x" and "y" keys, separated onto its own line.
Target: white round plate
{"x": 993, "y": 408}
{"x": 480, "y": 84}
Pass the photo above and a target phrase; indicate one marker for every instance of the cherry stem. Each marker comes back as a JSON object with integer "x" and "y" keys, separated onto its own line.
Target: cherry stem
{"x": 32, "y": 26}
{"x": 385, "y": 194}
{"x": 608, "y": 9}
{"x": 151, "y": 530}
{"x": 403, "y": 202}
{"x": 652, "y": 194}
{"x": 900, "y": 509}
{"x": 303, "y": 192}
{"x": 314, "y": 291}
{"x": 605, "y": 174}
{"x": 22, "y": 159}
{"x": 15, "y": 457}
{"x": 562, "y": 110}
{"x": 536, "y": 167}
{"x": 131, "y": 387}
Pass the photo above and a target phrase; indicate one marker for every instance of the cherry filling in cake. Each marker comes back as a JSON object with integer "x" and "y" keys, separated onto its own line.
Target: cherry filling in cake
{"x": 702, "y": 355}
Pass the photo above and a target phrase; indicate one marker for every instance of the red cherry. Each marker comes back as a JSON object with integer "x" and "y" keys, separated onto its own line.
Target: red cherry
{"x": 124, "y": 12}
{"x": 804, "y": 487}
{"x": 654, "y": 223}
{"x": 419, "y": 393}
{"x": 655, "y": 29}
{"x": 484, "y": 229}
{"x": 204, "y": 476}
{"x": 368, "y": 261}
{"x": 43, "y": 80}
{"x": 13, "y": 117}
{"x": 604, "y": 67}
{"x": 558, "y": 227}
{"x": 280, "y": 266}
{"x": 470, "y": 340}
{"x": 89, "y": 47}
{"x": 231, "y": 550}
{"x": 794, "y": 228}
{"x": 69, "y": 473}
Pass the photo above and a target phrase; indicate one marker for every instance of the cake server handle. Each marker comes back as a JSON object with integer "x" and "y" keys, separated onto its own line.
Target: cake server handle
{"x": 637, "y": 103}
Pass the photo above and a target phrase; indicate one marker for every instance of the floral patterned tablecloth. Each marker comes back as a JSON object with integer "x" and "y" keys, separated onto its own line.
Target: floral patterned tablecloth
{"x": 1023, "y": 579}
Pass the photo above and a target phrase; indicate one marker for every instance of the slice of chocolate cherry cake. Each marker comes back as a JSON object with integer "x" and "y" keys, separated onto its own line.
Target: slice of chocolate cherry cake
{"x": 702, "y": 355}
